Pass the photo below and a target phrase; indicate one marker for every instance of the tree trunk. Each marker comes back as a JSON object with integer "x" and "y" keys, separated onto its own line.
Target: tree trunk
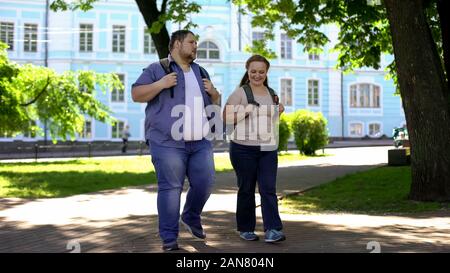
{"x": 425, "y": 99}
{"x": 150, "y": 12}
{"x": 443, "y": 6}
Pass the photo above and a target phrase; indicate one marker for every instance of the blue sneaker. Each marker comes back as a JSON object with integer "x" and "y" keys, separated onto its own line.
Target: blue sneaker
{"x": 195, "y": 231}
{"x": 249, "y": 236}
{"x": 170, "y": 246}
{"x": 273, "y": 235}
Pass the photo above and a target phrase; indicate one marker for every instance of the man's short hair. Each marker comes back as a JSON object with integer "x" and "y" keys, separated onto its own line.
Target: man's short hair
{"x": 179, "y": 35}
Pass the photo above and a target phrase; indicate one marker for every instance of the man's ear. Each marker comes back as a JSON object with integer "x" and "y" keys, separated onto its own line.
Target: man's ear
{"x": 177, "y": 44}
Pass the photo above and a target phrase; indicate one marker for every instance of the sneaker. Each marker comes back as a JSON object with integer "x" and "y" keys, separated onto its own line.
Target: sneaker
{"x": 249, "y": 236}
{"x": 273, "y": 235}
{"x": 170, "y": 246}
{"x": 195, "y": 231}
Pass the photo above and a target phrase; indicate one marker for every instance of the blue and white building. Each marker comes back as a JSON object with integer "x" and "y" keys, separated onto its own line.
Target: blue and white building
{"x": 112, "y": 38}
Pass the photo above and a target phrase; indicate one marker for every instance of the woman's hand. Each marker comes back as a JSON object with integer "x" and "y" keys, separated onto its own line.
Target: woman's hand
{"x": 280, "y": 108}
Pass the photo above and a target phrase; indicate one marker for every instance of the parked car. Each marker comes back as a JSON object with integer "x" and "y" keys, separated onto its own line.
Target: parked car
{"x": 400, "y": 136}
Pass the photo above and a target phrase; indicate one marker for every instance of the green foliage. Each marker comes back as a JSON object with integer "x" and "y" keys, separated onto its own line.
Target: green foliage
{"x": 29, "y": 93}
{"x": 177, "y": 11}
{"x": 284, "y": 133}
{"x": 364, "y": 32}
{"x": 63, "y": 5}
{"x": 382, "y": 190}
{"x": 310, "y": 131}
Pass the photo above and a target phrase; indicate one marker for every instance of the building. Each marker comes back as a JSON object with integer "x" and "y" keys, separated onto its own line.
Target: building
{"x": 112, "y": 38}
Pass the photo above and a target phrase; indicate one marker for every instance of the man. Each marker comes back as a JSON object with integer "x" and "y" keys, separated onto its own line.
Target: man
{"x": 125, "y": 135}
{"x": 173, "y": 159}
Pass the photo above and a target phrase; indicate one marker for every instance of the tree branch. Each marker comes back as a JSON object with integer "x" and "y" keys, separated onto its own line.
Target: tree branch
{"x": 164, "y": 6}
{"x": 40, "y": 93}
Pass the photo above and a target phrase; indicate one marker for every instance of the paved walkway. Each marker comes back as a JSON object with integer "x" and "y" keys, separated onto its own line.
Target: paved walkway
{"x": 125, "y": 220}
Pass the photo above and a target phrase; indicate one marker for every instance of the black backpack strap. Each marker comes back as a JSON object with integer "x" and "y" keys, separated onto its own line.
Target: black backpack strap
{"x": 203, "y": 73}
{"x": 249, "y": 95}
{"x": 274, "y": 96}
{"x": 165, "y": 64}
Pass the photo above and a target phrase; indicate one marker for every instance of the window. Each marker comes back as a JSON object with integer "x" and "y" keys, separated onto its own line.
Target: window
{"x": 30, "y": 132}
{"x": 7, "y": 34}
{"x": 364, "y": 95}
{"x": 356, "y": 129}
{"x": 313, "y": 57}
{"x": 86, "y": 37}
{"x": 87, "y": 129}
{"x": 374, "y": 130}
{"x": 257, "y": 36}
{"x": 149, "y": 47}
{"x": 30, "y": 38}
{"x": 117, "y": 128}
{"x": 118, "y": 42}
{"x": 118, "y": 95}
{"x": 208, "y": 50}
{"x": 286, "y": 47}
{"x": 5, "y": 134}
{"x": 286, "y": 92}
{"x": 313, "y": 92}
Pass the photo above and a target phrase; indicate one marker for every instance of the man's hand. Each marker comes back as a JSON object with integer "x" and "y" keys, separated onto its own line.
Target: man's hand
{"x": 211, "y": 90}
{"x": 169, "y": 80}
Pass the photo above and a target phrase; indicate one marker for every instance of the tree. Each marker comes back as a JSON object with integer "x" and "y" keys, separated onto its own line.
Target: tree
{"x": 29, "y": 93}
{"x": 417, "y": 33}
{"x": 155, "y": 17}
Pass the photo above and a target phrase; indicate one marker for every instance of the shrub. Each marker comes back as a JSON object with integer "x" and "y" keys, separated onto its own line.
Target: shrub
{"x": 310, "y": 131}
{"x": 284, "y": 133}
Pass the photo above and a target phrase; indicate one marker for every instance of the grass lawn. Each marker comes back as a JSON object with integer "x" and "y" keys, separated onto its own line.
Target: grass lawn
{"x": 378, "y": 191}
{"x": 65, "y": 178}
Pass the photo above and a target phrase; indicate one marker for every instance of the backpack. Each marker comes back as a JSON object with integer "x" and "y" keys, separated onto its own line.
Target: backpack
{"x": 165, "y": 64}
{"x": 251, "y": 99}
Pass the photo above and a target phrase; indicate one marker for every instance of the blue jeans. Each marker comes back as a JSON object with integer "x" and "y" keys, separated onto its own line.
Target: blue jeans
{"x": 172, "y": 165}
{"x": 253, "y": 165}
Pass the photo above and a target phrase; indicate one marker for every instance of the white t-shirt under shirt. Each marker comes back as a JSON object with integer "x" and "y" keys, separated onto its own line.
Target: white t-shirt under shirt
{"x": 194, "y": 116}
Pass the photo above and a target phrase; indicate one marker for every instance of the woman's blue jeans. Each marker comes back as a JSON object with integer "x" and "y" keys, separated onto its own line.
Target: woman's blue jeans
{"x": 253, "y": 165}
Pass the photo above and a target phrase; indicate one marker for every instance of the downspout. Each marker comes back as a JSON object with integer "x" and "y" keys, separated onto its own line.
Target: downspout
{"x": 47, "y": 5}
{"x": 342, "y": 104}
{"x": 239, "y": 28}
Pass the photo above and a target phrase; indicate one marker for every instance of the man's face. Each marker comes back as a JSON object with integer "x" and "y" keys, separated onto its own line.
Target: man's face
{"x": 188, "y": 48}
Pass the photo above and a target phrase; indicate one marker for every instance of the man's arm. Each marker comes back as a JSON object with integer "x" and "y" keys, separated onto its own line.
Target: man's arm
{"x": 147, "y": 92}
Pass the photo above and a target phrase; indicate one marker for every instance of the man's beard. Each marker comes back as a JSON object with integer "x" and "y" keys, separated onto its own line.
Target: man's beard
{"x": 190, "y": 56}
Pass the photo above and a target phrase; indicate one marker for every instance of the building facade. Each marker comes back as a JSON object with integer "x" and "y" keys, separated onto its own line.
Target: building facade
{"x": 112, "y": 37}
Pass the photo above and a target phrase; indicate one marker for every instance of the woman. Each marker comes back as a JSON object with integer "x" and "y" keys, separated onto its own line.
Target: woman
{"x": 251, "y": 160}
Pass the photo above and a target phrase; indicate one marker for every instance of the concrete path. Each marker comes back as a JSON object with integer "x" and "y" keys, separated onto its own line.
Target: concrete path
{"x": 125, "y": 220}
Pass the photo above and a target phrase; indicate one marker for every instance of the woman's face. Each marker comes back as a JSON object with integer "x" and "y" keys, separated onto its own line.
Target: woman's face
{"x": 257, "y": 73}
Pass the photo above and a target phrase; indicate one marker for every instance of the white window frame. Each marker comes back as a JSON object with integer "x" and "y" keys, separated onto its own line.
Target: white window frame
{"x": 124, "y": 91}
{"x": 118, "y": 37}
{"x": 258, "y": 33}
{"x": 370, "y": 98}
{"x": 208, "y": 50}
{"x": 30, "y": 37}
{"x": 148, "y": 45}
{"x": 119, "y": 138}
{"x": 355, "y": 123}
{"x": 85, "y": 41}
{"x": 83, "y": 135}
{"x": 284, "y": 45}
{"x": 313, "y": 57}
{"x": 9, "y": 40}
{"x": 292, "y": 91}
{"x": 380, "y": 124}
{"x": 319, "y": 92}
